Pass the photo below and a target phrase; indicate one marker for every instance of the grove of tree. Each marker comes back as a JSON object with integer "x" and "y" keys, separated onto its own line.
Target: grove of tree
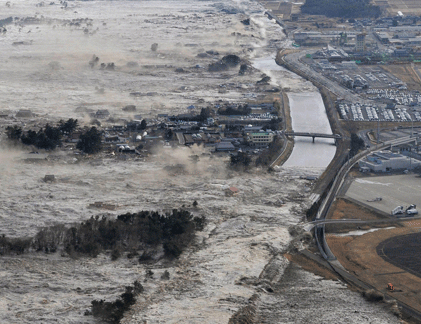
{"x": 341, "y": 8}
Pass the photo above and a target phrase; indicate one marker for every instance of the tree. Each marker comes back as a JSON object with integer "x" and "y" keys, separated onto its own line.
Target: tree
{"x": 49, "y": 138}
{"x": 90, "y": 142}
{"x": 14, "y": 132}
{"x": 69, "y": 126}
{"x": 341, "y": 8}
{"x": 30, "y": 138}
{"x": 240, "y": 159}
{"x": 357, "y": 143}
{"x": 204, "y": 114}
{"x": 143, "y": 124}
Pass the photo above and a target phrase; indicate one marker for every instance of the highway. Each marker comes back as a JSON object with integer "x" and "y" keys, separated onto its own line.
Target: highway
{"x": 337, "y": 184}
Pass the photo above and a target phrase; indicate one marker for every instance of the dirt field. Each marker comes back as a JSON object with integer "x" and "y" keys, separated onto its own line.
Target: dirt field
{"x": 345, "y": 209}
{"x": 399, "y": 251}
{"x": 406, "y": 73}
{"x": 412, "y": 7}
{"x": 358, "y": 255}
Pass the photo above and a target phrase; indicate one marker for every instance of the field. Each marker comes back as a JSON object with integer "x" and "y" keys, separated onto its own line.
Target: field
{"x": 401, "y": 252}
{"x": 378, "y": 256}
{"x": 406, "y": 73}
{"x": 358, "y": 254}
{"x": 408, "y": 7}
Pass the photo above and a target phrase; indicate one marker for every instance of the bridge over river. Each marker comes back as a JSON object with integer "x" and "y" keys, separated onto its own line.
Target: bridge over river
{"x": 314, "y": 135}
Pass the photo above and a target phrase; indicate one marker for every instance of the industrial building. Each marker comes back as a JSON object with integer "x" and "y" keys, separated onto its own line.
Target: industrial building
{"x": 385, "y": 161}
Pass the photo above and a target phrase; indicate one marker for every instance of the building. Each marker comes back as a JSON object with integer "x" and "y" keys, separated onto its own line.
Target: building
{"x": 383, "y": 37}
{"x": 261, "y": 138}
{"x": 360, "y": 43}
{"x": 386, "y": 161}
{"x": 224, "y": 147}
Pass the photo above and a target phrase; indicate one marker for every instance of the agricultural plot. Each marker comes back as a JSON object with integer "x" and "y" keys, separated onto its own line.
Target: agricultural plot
{"x": 401, "y": 251}
{"x": 412, "y": 7}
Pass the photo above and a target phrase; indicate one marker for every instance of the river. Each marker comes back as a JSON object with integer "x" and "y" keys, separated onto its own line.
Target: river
{"x": 308, "y": 114}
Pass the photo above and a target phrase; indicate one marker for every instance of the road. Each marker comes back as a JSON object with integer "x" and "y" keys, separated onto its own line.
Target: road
{"x": 363, "y": 222}
{"x": 341, "y": 92}
{"x": 337, "y": 184}
{"x": 292, "y": 62}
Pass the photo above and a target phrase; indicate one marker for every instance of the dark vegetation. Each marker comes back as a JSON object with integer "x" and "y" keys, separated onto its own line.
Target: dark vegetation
{"x": 341, "y": 8}
{"x": 205, "y": 113}
{"x": 90, "y": 142}
{"x": 274, "y": 124}
{"x": 128, "y": 232}
{"x": 243, "y": 69}
{"x": 357, "y": 144}
{"x": 269, "y": 155}
{"x": 47, "y": 138}
{"x": 225, "y": 63}
{"x": 242, "y": 159}
{"x": 373, "y": 295}
{"x": 14, "y": 132}
{"x": 240, "y": 110}
{"x": 112, "y": 312}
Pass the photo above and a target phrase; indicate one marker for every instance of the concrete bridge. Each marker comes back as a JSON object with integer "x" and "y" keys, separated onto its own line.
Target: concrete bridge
{"x": 314, "y": 135}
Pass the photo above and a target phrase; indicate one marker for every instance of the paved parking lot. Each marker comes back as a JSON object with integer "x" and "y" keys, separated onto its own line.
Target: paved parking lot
{"x": 395, "y": 190}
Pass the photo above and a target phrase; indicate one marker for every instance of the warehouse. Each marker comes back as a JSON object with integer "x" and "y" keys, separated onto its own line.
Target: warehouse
{"x": 386, "y": 161}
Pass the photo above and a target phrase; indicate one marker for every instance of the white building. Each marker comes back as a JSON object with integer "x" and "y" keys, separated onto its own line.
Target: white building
{"x": 261, "y": 138}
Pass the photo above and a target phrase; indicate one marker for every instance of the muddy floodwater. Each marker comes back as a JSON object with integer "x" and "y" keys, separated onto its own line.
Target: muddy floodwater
{"x": 308, "y": 114}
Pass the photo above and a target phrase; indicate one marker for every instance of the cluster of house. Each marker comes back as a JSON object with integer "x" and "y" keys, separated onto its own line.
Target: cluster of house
{"x": 224, "y": 139}
{"x": 221, "y": 133}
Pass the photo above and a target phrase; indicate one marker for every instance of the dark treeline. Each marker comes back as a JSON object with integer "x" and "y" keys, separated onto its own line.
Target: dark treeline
{"x": 47, "y": 138}
{"x": 240, "y": 110}
{"x": 357, "y": 143}
{"x": 205, "y": 113}
{"x": 90, "y": 141}
{"x": 341, "y": 8}
{"x": 128, "y": 232}
{"x": 113, "y": 312}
